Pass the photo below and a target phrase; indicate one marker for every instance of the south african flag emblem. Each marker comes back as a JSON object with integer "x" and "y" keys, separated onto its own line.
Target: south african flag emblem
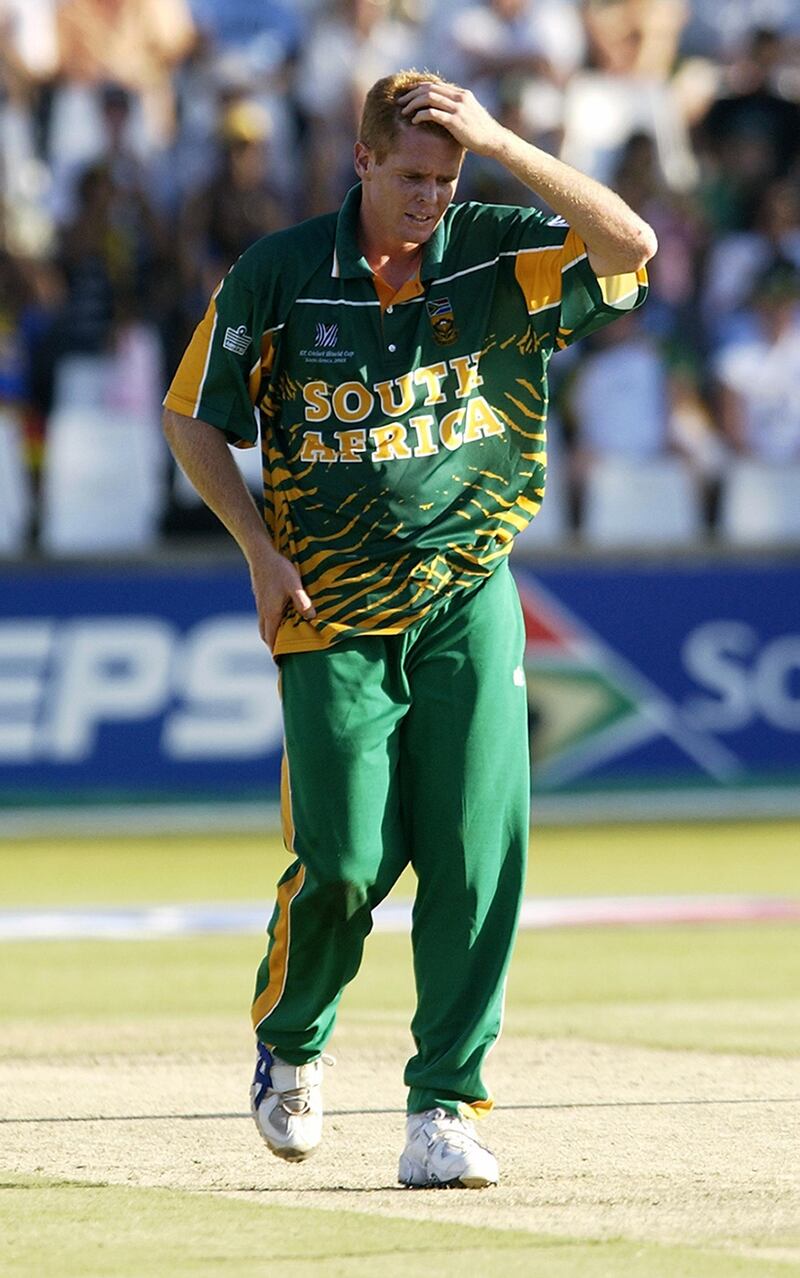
{"x": 440, "y": 313}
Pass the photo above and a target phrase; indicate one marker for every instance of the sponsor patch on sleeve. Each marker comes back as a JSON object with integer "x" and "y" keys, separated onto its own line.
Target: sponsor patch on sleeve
{"x": 237, "y": 340}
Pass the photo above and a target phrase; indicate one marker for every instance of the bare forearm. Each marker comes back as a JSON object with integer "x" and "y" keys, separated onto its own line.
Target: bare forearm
{"x": 203, "y": 455}
{"x": 616, "y": 238}
{"x": 201, "y": 451}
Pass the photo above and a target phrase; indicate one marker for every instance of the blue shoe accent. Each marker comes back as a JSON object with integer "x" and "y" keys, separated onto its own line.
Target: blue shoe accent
{"x": 262, "y": 1079}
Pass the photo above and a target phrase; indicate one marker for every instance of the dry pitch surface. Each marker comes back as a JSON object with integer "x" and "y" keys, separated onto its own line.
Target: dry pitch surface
{"x": 596, "y": 1140}
{"x": 600, "y": 1141}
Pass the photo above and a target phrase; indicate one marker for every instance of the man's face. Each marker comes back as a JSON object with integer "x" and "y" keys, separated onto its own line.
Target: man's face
{"x": 405, "y": 195}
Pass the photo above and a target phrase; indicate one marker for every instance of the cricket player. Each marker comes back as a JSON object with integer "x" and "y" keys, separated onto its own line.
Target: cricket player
{"x": 391, "y": 361}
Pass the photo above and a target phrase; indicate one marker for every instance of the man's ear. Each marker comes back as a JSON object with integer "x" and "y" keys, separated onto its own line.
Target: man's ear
{"x": 363, "y": 160}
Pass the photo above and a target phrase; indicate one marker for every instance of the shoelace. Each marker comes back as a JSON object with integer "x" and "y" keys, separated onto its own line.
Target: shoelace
{"x": 299, "y": 1098}
{"x": 453, "y": 1129}
{"x": 458, "y": 1139}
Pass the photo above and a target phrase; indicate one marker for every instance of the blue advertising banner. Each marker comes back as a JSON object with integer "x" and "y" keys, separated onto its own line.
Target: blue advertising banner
{"x": 686, "y": 675}
{"x": 134, "y": 683}
{"x": 148, "y": 682}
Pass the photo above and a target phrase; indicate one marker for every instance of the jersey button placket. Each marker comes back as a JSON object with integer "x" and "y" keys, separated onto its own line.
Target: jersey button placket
{"x": 392, "y": 332}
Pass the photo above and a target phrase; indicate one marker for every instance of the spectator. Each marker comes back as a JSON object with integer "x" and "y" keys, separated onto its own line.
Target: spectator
{"x": 759, "y": 375}
{"x": 249, "y": 51}
{"x": 26, "y": 64}
{"x": 632, "y": 416}
{"x": 13, "y": 362}
{"x": 115, "y": 146}
{"x": 627, "y": 90}
{"x": 29, "y": 55}
{"x": 717, "y": 28}
{"x": 750, "y": 136}
{"x": 134, "y": 43}
{"x": 516, "y": 56}
{"x": 619, "y": 398}
{"x": 270, "y": 33}
{"x": 111, "y": 128}
{"x": 29, "y": 301}
{"x": 29, "y": 36}
{"x": 347, "y": 49}
{"x": 629, "y": 38}
{"x": 236, "y": 207}
{"x": 108, "y": 255}
{"x": 736, "y": 259}
{"x": 501, "y": 49}
{"x": 638, "y": 178}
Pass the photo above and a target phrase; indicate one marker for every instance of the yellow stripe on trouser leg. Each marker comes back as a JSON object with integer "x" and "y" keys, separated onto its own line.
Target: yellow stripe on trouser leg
{"x": 278, "y": 956}
{"x": 342, "y": 732}
{"x": 476, "y": 1109}
{"x": 287, "y": 820}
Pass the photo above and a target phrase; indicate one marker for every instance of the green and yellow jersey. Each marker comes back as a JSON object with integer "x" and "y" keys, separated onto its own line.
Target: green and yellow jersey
{"x": 402, "y": 434}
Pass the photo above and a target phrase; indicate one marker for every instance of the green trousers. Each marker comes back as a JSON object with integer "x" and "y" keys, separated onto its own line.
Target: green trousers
{"x": 405, "y": 748}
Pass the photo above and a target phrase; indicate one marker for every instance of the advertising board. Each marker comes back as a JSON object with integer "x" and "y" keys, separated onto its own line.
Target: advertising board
{"x": 147, "y": 682}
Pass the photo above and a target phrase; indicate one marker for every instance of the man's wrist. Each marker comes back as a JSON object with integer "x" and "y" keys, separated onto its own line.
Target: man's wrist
{"x": 259, "y": 550}
{"x": 500, "y": 145}
{"x": 521, "y": 158}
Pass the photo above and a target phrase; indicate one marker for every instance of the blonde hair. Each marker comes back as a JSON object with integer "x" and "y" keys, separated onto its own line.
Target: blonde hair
{"x": 382, "y": 117}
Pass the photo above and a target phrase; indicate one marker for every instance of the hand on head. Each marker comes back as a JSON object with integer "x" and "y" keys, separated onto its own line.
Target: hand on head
{"x": 456, "y": 109}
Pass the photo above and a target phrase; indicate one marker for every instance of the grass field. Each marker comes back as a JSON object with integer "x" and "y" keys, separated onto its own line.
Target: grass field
{"x": 647, "y": 1080}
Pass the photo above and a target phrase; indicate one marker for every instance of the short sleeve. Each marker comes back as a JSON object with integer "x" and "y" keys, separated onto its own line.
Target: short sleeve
{"x": 219, "y": 378}
{"x": 563, "y": 296}
{"x": 589, "y": 303}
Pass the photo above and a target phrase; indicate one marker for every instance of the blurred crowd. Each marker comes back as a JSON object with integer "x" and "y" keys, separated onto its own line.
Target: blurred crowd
{"x": 144, "y": 144}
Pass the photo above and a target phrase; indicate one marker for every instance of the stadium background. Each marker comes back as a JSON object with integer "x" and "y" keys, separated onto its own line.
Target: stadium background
{"x": 143, "y": 147}
{"x": 647, "y": 1074}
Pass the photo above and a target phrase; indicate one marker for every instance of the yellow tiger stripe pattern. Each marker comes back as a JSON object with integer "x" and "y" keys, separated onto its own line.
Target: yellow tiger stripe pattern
{"x": 446, "y": 438}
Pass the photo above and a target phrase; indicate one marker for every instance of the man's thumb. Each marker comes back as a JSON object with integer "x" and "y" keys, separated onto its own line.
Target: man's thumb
{"x": 303, "y": 604}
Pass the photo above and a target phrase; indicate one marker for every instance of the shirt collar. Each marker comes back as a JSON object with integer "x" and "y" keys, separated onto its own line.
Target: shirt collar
{"x": 348, "y": 260}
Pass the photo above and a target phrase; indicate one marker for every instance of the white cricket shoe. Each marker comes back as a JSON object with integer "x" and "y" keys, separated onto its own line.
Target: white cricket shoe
{"x": 286, "y": 1103}
{"x": 443, "y": 1152}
